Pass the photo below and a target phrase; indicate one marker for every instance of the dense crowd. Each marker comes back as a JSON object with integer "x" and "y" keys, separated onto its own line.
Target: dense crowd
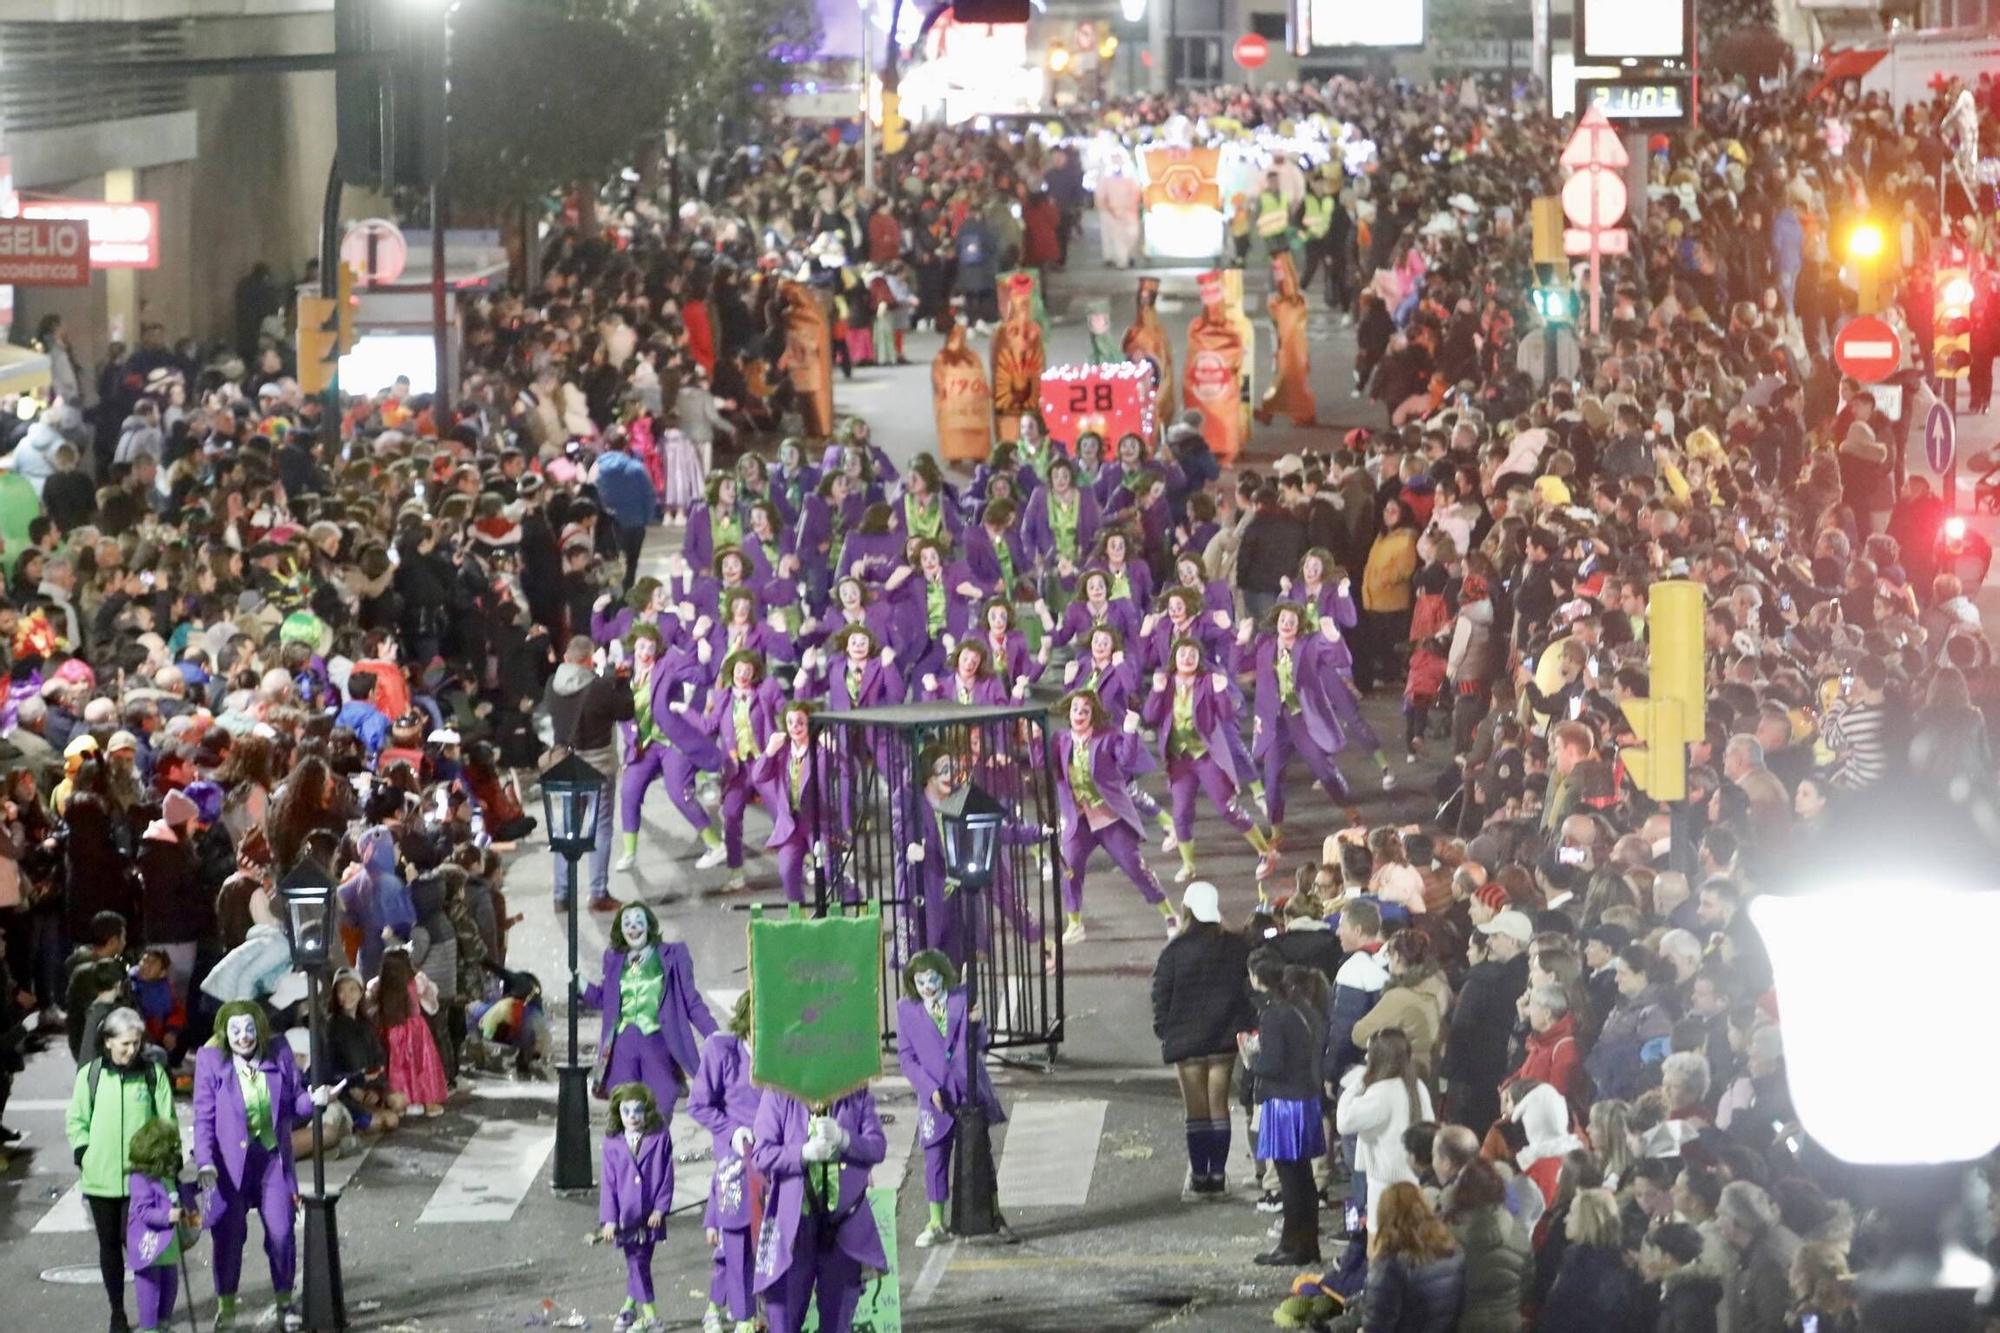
{"x": 1528, "y": 1051}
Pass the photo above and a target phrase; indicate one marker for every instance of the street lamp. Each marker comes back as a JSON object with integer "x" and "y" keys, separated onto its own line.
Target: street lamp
{"x": 1913, "y": 1134}
{"x": 969, "y": 828}
{"x": 309, "y": 905}
{"x": 571, "y": 791}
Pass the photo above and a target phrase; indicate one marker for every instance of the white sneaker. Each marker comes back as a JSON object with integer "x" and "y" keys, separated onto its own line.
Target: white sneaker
{"x": 1170, "y": 842}
{"x": 931, "y": 1235}
{"x": 1074, "y": 934}
{"x": 712, "y": 858}
{"x": 1388, "y": 780}
{"x": 626, "y": 861}
{"x": 737, "y": 883}
{"x": 1173, "y": 927}
{"x": 1410, "y": 758}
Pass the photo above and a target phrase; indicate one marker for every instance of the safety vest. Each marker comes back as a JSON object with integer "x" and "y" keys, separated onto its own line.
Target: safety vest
{"x": 1318, "y": 218}
{"x": 1273, "y": 217}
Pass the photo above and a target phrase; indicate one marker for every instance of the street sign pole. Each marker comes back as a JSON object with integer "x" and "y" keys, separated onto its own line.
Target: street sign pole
{"x": 1594, "y": 199}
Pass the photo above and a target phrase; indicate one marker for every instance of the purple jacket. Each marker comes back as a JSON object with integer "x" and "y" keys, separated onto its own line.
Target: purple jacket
{"x": 705, "y": 591}
{"x": 723, "y": 1101}
{"x": 934, "y": 1062}
{"x": 878, "y": 554}
{"x": 222, "y": 1125}
{"x": 880, "y": 685}
{"x": 758, "y": 637}
{"x": 1138, "y": 578}
{"x": 1117, "y": 686}
{"x": 1328, "y": 601}
{"x": 1041, "y": 537}
{"x": 1115, "y": 760}
{"x": 698, "y": 546}
{"x": 1312, "y": 663}
{"x": 987, "y": 691}
{"x": 952, "y": 521}
{"x": 815, "y": 538}
{"x": 1013, "y": 661}
{"x": 684, "y": 1016}
{"x": 149, "y": 1230}
{"x": 765, "y": 704}
{"x": 982, "y": 559}
{"x": 1157, "y": 648}
{"x": 1118, "y": 613}
{"x": 780, "y": 1129}
{"x": 630, "y": 1189}
{"x": 1214, "y": 715}
{"x": 764, "y": 559}
{"x": 678, "y": 668}
{"x": 912, "y": 610}
{"x": 772, "y": 776}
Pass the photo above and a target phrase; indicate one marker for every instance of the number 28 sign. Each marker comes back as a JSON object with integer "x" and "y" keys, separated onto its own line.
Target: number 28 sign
{"x": 1112, "y": 400}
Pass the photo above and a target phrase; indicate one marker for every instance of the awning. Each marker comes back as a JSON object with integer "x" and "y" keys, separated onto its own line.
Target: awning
{"x": 1850, "y": 63}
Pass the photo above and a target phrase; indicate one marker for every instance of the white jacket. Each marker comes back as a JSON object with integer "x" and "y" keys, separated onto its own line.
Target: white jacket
{"x": 1377, "y": 1117}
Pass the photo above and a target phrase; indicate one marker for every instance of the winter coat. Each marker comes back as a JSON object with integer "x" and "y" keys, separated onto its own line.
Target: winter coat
{"x": 1286, "y": 1061}
{"x": 1414, "y": 1003}
{"x": 1377, "y": 1116}
{"x": 1615, "y": 1065}
{"x": 584, "y": 707}
{"x": 1414, "y": 1298}
{"x": 1472, "y": 659}
{"x": 253, "y": 969}
{"x": 1476, "y": 1050}
{"x": 1499, "y": 1268}
{"x": 1356, "y": 988}
{"x": 173, "y": 908}
{"x": 1201, "y": 994}
{"x": 1392, "y": 564}
{"x": 1594, "y": 1290}
{"x": 1688, "y": 1302}
{"x": 1757, "y": 1293}
{"x": 1270, "y": 549}
{"x": 103, "y": 1126}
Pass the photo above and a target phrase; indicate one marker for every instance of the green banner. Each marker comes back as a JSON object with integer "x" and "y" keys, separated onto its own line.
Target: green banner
{"x": 881, "y": 1307}
{"x": 816, "y": 1005}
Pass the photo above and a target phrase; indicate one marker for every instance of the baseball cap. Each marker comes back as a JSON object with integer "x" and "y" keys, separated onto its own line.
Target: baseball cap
{"x": 1510, "y": 922}
{"x": 1203, "y": 902}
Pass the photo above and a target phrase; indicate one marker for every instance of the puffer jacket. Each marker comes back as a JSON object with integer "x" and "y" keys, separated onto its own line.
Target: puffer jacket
{"x": 1414, "y": 1002}
{"x": 1615, "y": 1063}
{"x": 1472, "y": 659}
{"x": 1414, "y": 1298}
{"x": 1499, "y": 1269}
{"x": 1201, "y": 994}
{"x": 103, "y": 1126}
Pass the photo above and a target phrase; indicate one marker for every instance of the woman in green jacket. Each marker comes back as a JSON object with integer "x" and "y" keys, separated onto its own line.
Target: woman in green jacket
{"x": 114, "y": 1096}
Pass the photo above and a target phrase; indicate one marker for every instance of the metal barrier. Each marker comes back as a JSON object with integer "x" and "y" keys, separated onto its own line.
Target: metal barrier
{"x": 871, "y": 813}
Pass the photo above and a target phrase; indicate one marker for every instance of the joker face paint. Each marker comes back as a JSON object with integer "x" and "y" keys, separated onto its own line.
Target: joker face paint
{"x": 241, "y": 1035}
{"x": 929, "y": 984}
{"x": 632, "y": 1115}
{"x": 632, "y": 927}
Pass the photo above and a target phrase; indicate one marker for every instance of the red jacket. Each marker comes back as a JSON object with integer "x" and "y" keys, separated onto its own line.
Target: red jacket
{"x": 1554, "y": 1058}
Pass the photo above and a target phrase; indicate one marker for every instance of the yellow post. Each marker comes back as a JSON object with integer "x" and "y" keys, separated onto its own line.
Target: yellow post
{"x": 1659, "y": 765}
{"x": 319, "y": 331}
{"x": 1546, "y": 215}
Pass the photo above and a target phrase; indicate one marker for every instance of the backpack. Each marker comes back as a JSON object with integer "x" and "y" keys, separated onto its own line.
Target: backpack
{"x": 96, "y": 1068}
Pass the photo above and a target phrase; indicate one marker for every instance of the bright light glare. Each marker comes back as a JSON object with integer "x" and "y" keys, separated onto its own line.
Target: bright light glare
{"x": 1954, "y": 528}
{"x": 1865, "y": 241}
{"x": 1938, "y": 1106}
{"x": 1059, "y": 58}
{"x": 378, "y": 358}
{"x": 1133, "y": 10}
{"x": 1957, "y": 292}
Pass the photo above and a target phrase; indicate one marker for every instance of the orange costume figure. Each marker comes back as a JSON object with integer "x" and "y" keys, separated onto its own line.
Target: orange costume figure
{"x": 1146, "y": 341}
{"x": 962, "y": 400}
{"x": 1291, "y": 387}
{"x": 809, "y": 356}
{"x": 1019, "y": 358}
{"x": 1215, "y": 355}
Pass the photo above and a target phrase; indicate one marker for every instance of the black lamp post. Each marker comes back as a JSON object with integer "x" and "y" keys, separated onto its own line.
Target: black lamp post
{"x": 969, "y": 826}
{"x": 571, "y": 791}
{"x": 308, "y": 895}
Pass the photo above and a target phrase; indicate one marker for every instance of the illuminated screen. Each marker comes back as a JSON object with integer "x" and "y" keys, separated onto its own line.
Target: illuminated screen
{"x": 1377, "y": 23}
{"x": 378, "y": 358}
{"x": 1618, "y": 29}
{"x": 1662, "y": 102}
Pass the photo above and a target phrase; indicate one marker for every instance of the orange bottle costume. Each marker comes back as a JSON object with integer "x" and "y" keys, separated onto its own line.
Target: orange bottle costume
{"x": 1019, "y": 358}
{"x": 1146, "y": 340}
{"x": 809, "y": 356}
{"x": 1215, "y": 355}
{"x": 962, "y": 400}
{"x": 1291, "y": 387}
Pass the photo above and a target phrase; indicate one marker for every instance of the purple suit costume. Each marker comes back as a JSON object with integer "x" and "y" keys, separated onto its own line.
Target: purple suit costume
{"x": 1313, "y": 727}
{"x": 1217, "y": 772}
{"x": 934, "y": 1062}
{"x": 809, "y": 1245}
{"x": 248, "y": 1175}
{"x": 686, "y": 749}
{"x": 878, "y": 554}
{"x": 661, "y": 1060}
{"x": 1012, "y": 661}
{"x": 738, "y": 784}
{"x": 914, "y": 642}
{"x": 1117, "y": 686}
{"x": 723, "y": 1101}
{"x": 149, "y": 1232}
{"x": 1114, "y": 764}
{"x": 1040, "y": 536}
{"x": 1077, "y": 620}
{"x": 987, "y": 691}
{"x": 698, "y": 546}
{"x": 793, "y": 819}
{"x": 631, "y": 1188}
{"x": 1157, "y": 649}
{"x": 1138, "y": 582}
{"x": 982, "y": 558}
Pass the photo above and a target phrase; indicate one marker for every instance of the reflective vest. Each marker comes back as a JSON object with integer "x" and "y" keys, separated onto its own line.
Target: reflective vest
{"x": 1318, "y": 217}
{"x": 1273, "y": 217}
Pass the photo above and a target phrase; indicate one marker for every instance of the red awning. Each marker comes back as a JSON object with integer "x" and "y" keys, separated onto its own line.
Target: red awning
{"x": 1851, "y": 63}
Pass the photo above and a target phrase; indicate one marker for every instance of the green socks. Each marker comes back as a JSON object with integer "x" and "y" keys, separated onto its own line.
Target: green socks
{"x": 1257, "y": 840}
{"x": 1073, "y": 918}
{"x": 649, "y": 1312}
{"x": 1381, "y": 760}
{"x": 937, "y": 1216}
{"x": 1186, "y": 850}
{"x": 631, "y": 843}
{"x": 710, "y": 838}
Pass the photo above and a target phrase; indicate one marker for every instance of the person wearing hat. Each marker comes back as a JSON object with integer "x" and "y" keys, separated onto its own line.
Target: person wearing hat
{"x": 1201, "y": 1005}
{"x": 1482, "y": 1021}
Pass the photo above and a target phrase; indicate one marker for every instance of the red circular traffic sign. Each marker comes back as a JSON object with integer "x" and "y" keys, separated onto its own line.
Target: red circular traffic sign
{"x": 1594, "y": 198}
{"x": 1251, "y": 51}
{"x": 1868, "y": 350}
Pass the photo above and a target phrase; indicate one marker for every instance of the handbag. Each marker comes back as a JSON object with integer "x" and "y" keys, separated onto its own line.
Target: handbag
{"x": 562, "y": 749}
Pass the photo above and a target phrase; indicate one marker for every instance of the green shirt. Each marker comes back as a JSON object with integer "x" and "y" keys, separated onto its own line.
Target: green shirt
{"x": 640, "y": 986}
{"x": 746, "y": 739}
{"x": 256, "y": 1103}
{"x": 1120, "y": 586}
{"x": 939, "y": 1015}
{"x": 1288, "y": 693}
{"x": 1183, "y": 738}
{"x": 642, "y": 712}
{"x": 1004, "y": 554}
{"x": 1082, "y": 787}
{"x": 725, "y": 529}
{"x": 934, "y": 606}
{"x": 797, "y": 771}
{"x": 1064, "y": 516}
{"x": 925, "y": 518}
{"x": 854, "y": 684}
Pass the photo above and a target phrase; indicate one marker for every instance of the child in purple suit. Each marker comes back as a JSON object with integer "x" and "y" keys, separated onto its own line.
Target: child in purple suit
{"x": 635, "y": 1194}
{"x": 819, "y": 1238}
{"x": 159, "y": 1221}
{"x": 932, "y": 1022}
{"x": 654, "y": 1018}
{"x": 724, "y": 1103}
{"x": 662, "y": 744}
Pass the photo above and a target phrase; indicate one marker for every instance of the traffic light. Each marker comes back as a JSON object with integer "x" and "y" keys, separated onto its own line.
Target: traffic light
{"x": 1676, "y": 713}
{"x": 345, "y": 307}
{"x": 1864, "y": 254}
{"x": 895, "y": 132}
{"x": 1556, "y": 305}
{"x": 1951, "y": 330}
{"x": 390, "y": 113}
{"x": 318, "y": 342}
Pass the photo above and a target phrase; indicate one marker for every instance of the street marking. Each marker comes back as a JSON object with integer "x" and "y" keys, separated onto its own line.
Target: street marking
{"x": 491, "y": 1174}
{"x": 38, "y": 1104}
{"x": 68, "y": 1214}
{"x": 902, "y": 1137}
{"x": 724, "y": 999}
{"x": 1058, "y": 1142}
{"x": 1038, "y": 1261}
{"x": 691, "y": 1179}
{"x": 930, "y": 1276}
{"x": 492, "y": 1090}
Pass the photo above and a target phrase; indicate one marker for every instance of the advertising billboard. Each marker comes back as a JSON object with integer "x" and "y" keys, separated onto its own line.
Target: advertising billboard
{"x": 1622, "y": 30}
{"x": 1384, "y": 23}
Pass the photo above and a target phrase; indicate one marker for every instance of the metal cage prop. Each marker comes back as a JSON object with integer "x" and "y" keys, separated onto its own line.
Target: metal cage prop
{"x": 986, "y": 890}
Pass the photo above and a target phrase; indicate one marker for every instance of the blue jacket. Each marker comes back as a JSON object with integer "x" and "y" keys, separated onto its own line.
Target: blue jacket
{"x": 368, "y": 722}
{"x": 1356, "y": 988}
{"x": 1424, "y": 1298}
{"x": 626, "y": 489}
{"x": 1593, "y": 1290}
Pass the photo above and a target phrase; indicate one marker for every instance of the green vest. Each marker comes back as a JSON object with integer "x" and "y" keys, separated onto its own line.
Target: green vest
{"x": 640, "y": 986}
{"x": 1317, "y": 219}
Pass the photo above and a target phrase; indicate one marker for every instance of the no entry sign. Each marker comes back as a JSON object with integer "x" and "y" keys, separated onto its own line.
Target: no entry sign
{"x": 44, "y": 252}
{"x": 1867, "y": 350}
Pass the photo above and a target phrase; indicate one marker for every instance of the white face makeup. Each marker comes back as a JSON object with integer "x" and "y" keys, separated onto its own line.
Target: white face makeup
{"x": 632, "y": 927}
{"x": 930, "y": 985}
{"x": 632, "y": 1114}
{"x": 242, "y": 1034}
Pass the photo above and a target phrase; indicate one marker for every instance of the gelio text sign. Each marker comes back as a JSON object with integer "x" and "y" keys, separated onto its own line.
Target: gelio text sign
{"x": 44, "y": 252}
{"x": 124, "y": 235}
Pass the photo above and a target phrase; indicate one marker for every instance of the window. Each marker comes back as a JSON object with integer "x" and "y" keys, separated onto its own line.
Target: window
{"x": 1271, "y": 27}
{"x": 1196, "y": 60}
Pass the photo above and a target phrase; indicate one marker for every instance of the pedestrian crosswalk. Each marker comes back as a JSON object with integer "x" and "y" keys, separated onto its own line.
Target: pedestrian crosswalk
{"x": 1050, "y": 1152}
{"x": 491, "y": 1173}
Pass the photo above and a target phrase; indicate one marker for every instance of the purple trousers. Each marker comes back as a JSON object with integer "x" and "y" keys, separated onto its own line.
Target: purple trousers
{"x": 737, "y": 793}
{"x": 733, "y": 1268}
{"x": 1184, "y": 774}
{"x": 674, "y": 771}
{"x": 641, "y": 1057}
{"x": 1355, "y": 727}
{"x": 823, "y": 1268}
{"x": 937, "y": 1167}
{"x": 264, "y": 1188}
{"x": 1121, "y": 844}
{"x": 156, "y": 1288}
{"x": 639, "y": 1271}
{"x": 1290, "y": 737}
{"x": 792, "y": 856}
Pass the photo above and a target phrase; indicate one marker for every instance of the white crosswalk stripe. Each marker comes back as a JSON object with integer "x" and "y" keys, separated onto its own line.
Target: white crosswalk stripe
{"x": 491, "y": 1174}
{"x": 68, "y": 1214}
{"x": 1050, "y": 1152}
